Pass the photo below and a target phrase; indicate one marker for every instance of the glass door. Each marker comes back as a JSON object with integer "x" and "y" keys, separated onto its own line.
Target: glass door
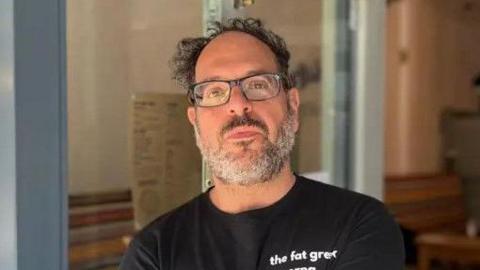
{"x": 300, "y": 25}
{"x": 132, "y": 155}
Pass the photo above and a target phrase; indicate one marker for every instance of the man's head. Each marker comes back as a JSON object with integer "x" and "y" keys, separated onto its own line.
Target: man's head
{"x": 245, "y": 112}
{"x": 189, "y": 49}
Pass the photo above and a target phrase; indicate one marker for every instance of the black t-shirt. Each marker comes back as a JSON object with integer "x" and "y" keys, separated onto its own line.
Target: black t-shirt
{"x": 313, "y": 227}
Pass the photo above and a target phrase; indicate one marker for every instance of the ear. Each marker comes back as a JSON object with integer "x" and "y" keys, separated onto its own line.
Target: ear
{"x": 191, "y": 114}
{"x": 293, "y": 96}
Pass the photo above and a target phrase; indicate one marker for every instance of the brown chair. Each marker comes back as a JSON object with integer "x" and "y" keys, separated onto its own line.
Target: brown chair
{"x": 100, "y": 225}
{"x": 433, "y": 208}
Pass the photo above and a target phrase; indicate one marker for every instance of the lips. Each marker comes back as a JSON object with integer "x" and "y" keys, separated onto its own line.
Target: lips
{"x": 243, "y": 133}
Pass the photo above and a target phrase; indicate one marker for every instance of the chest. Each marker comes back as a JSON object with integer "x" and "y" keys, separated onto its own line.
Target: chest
{"x": 304, "y": 243}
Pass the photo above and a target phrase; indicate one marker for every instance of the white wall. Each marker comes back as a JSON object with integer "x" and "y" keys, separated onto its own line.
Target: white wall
{"x": 116, "y": 48}
{"x": 299, "y": 25}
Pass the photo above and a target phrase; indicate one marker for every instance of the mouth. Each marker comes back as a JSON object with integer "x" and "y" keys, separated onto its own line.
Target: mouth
{"x": 243, "y": 133}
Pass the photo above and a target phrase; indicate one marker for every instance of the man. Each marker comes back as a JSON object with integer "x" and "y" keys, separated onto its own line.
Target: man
{"x": 259, "y": 214}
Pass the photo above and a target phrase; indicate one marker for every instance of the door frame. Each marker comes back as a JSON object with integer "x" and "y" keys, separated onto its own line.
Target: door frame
{"x": 35, "y": 129}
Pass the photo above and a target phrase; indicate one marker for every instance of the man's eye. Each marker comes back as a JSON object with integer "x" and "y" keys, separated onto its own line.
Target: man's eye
{"x": 212, "y": 93}
{"x": 258, "y": 85}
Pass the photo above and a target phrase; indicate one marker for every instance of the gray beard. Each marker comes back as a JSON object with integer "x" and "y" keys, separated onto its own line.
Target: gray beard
{"x": 250, "y": 166}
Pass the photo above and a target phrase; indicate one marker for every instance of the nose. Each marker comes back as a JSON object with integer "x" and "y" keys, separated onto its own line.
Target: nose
{"x": 238, "y": 103}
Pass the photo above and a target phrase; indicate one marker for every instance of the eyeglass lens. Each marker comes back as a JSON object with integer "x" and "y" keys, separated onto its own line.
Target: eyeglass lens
{"x": 259, "y": 87}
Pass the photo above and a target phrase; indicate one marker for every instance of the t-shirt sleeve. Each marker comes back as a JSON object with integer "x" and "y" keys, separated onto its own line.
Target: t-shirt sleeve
{"x": 374, "y": 242}
{"x": 138, "y": 257}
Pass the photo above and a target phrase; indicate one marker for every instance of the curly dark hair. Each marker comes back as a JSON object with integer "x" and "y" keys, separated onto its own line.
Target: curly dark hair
{"x": 189, "y": 49}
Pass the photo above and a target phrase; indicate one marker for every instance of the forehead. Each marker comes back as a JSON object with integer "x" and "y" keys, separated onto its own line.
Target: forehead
{"x": 234, "y": 55}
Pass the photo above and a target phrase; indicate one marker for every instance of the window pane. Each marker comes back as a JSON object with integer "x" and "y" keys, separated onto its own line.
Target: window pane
{"x": 131, "y": 150}
{"x": 300, "y": 25}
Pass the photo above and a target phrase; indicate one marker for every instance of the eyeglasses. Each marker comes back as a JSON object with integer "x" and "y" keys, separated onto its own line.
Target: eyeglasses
{"x": 217, "y": 92}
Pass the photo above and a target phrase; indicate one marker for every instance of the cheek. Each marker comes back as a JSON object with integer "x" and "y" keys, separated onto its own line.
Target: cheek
{"x": 274, "y": 113}
{"x": 274, "y": 129}
{"x": 209, "y": 126}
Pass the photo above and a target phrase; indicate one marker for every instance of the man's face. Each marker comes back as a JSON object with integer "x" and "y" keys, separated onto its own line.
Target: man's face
{"x": 243, "y": 142}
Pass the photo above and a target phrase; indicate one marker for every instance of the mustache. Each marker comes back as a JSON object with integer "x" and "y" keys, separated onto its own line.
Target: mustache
{"x": 244, "y": 120}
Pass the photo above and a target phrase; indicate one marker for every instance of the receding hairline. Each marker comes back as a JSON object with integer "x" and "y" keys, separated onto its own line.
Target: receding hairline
{"x": 240, "y": 34}
{"x": 184, "y": 60}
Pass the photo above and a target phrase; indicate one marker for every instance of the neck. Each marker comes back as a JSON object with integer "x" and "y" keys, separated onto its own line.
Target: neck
{"x": 234, "y": 199}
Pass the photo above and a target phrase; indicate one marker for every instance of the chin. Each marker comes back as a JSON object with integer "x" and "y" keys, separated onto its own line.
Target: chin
{"x": 245, "y": 182}
{"x": 244, "y": 156}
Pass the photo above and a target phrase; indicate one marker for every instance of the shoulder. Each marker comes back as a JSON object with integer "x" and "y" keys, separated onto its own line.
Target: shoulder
{"x": 166, "y": 223}
{"x": 146, "y": 245}
{"x": 336, "y": 197}
{"x": 344, "y": 208}
{"x": 368, "y": 233}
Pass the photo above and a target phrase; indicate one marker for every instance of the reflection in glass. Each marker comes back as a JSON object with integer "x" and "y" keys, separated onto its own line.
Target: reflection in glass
{"x": 132, "y": 154}
{"x": 126, "y": 123}
{"x": 300, "y": 26}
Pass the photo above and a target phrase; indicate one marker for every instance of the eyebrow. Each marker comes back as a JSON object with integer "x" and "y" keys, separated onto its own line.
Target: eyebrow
{"x": 249, "y": 73}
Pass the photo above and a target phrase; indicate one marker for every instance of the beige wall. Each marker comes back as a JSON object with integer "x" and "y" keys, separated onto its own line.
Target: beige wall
{"x": 432, "y": 55}
{"x": 300, "y": 26}
{"x": 116, "y": 48}
{"x": 155, "y": 28}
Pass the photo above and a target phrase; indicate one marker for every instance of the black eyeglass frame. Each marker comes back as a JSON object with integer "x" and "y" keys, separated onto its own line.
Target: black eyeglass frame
{"x": 283, "y": 80}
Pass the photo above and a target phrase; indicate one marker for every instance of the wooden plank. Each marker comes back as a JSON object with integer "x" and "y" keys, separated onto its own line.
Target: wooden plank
{"x": 411, "y": 190}
{"x": 93, "y": 233}
{"x": 449, "y": 247}
{"x": 453, "y": 221}
{"x": 100, "y": 198}
{"x": 100, "y": 217}
{"x": 97, "y": 250}
{"x": 426, "y": 203}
